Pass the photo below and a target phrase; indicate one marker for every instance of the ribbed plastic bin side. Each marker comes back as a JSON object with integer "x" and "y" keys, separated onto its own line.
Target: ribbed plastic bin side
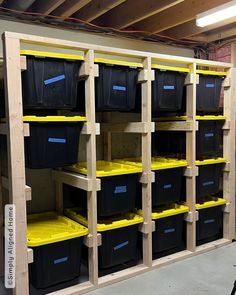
{"x": 167, "y": 91}
{"x": 210, "y": 222}
{"x": 208, "y": 93}
{"x": 119, "y": 237}
{"x": 50, "y": 83}
{"x": 57, "y": 243}
{"x": 208, "y": 180}
{"x": 115, "y": 88}
{"x": 52, "y": 144}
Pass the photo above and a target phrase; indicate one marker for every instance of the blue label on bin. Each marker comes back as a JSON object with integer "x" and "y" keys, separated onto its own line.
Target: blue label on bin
{"x": 166, "y": 186}
{"x": 169, "y": 87}
{"x": 210, "y": 134}
{"x": 207, "y": 221}
{"x": 169, "y": 230}
{"x": 210, "y": 85}
{"x": 54, "y": 79}
{"x": 119, "y": 88}
{"x": 120, "y": 189}
{"x": 121, "y": 245}
{"x": 56, "y": 140}
{"x": 208, "y": 183}
{"x": 61, "y": 260}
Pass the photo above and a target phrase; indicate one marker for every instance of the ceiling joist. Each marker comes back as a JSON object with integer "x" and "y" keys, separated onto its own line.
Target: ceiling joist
{"x": 132, "y": 11}
{"x": 96, "y": 8}
{"x": 224, "y": 34}
{"x": 70, "y": 7}
{"x": 45, "y": 7}
{"x": 177, "y": 15}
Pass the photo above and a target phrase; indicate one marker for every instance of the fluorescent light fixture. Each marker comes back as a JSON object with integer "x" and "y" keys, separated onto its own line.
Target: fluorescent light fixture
{"x": 216, "y": 14}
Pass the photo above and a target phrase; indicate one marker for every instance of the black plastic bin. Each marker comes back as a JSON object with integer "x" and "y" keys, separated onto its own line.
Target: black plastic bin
{"x": 208, "y": 179}
{"x": 57, "y": 244}
{"x": 52, "y": 144}
{"x": 119, "y": 237}
{"x": 50, "y": 81}
{"x": 167, "y": 91}
{"x": 208, "y": 93}
{"x": 118, "y": 192}
{"x": 208, "y": 140}
{"x": 115, "y": 88}
{"x": 2, "y": 100}
{"x": 210, "y": 223}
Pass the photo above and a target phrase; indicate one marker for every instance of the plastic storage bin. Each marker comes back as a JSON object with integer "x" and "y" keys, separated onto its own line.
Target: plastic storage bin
{"x": 208, "y": 179}
{"x": 210, "y": 222}
{"x": 209, "y": 90}
{"x": 57, "y": 242}
{"x": 168, "y": 180}
{"x": 167, "y": 89}
{"x": 208, "y": 139}
{"x": 53, "y": 141}
{"x": 118, "y": 187}
{"x": 119, "y": 237}
{"x": 115, "y": 88}
{"x": 50, "y": 81}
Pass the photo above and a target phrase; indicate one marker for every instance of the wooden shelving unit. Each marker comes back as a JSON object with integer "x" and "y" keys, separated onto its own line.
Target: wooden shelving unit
{"x": 20, "y": 193}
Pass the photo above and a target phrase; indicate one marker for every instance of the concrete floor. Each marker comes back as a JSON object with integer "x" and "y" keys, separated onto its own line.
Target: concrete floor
{"x": 212, "y": 273}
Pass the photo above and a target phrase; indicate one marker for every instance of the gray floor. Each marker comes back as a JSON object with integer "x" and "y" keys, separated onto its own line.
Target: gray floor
{"x": 212, "y": 273}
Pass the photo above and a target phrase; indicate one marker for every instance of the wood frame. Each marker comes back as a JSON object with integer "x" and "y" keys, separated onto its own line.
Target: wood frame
{"x": 16, "y": 179}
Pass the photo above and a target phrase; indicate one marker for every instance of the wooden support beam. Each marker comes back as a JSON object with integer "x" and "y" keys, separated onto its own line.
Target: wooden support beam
{"x": 68, "y": 8}
{"x": 88, "y": 240}
{"x": 81, "y": 288}
{"x": 76, "y": 180}
{"x": 87, "y": 129}
{"x": 144, "y": 228}
{"x": 220, "y": 35}
{"x": 4, "y": 129}
{"x": 180, "y": 14}
{"x": 30, "y": 255}
{"x": 176, "y": 126}
{"x": 45, "y": 7}
{"x": 16, "y": 157}
{"x": 96, "y": 8}
{"x": 190, "y": 28}
{"x": 28, "y": 192}
{"x": 229, "y": 154}
{"x": 23, "y": 66}
{"x": 127, "y": 13}
{"x": 132, "y": 127}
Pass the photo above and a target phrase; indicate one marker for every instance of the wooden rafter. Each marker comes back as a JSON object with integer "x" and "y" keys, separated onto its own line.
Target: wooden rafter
{"x": 177, "y": 15}
{"x": 189, "y": 29}
{"x": 223, "y": 34}
{"x": 132, "y": 11}
{"x": 70, "y": 7}
{"x": 96, "y": 8}
{"x": 46, "y": 6}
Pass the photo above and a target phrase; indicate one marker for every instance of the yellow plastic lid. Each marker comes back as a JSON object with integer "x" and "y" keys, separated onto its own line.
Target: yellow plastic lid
{"x": 118, "y": 62}
{"x": 210, "y": 161}
{"x": 212, "y": 203}
{"x": 167, "y": 211}
{"x": 198, "y": 118}
{"x": 51, "y": 54}
{"x": 214, "y": 73}
{"x": 126, "y": 219}
{"x": 48, "y": 228}
{"x": 106, "y": 168}
{"x": 158, "y": 163}
{"x": 169, "y": 68}
{"x": 54, "y": 119}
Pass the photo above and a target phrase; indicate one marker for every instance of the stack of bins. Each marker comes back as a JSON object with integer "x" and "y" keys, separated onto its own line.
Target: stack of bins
{"x": 115, "y": 204}
{"x": 57, "y": 243}
{"x": 49, "y": 84}
{"x": 166, "y": 194}
{"x": 210, "y": 221}
{"x": 119, "y": 239}
{"x": 116, "y": 87}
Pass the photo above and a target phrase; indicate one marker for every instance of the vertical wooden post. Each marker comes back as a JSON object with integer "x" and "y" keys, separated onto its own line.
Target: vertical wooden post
{"x": 16, "y": 160}
{"x": 229, "y": 153}
{"x": 91, "y": 166}
{"x": 191, "y": 157}
{"x": 146, "y": 164}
